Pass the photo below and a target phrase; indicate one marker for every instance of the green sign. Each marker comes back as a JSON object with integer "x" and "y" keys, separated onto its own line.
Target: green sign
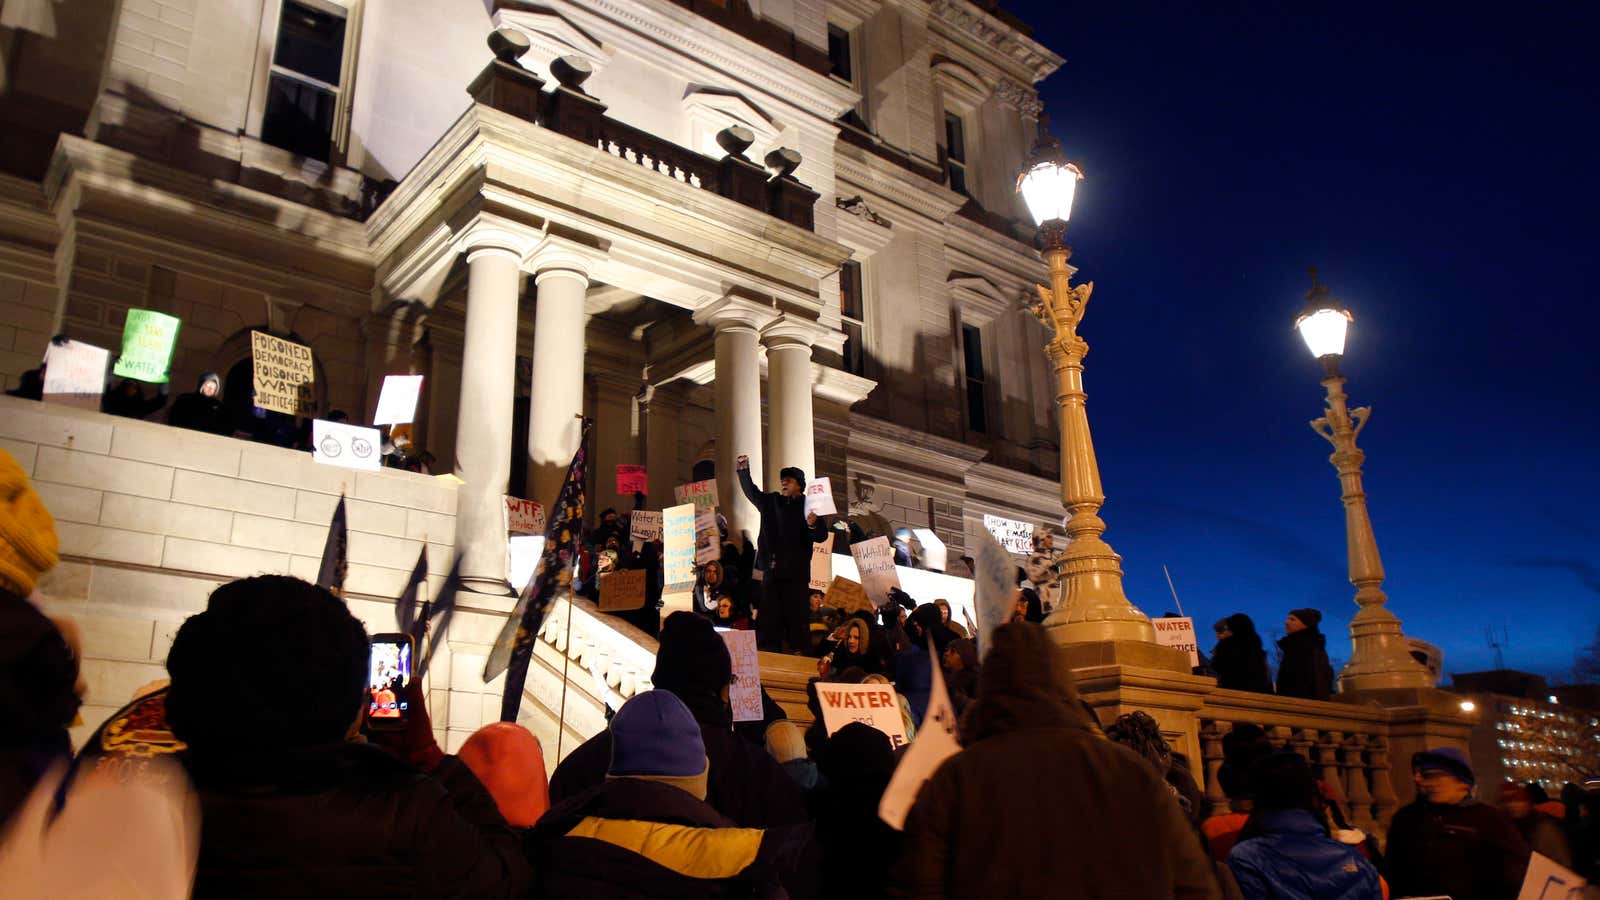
{"x": 148, "y": 340}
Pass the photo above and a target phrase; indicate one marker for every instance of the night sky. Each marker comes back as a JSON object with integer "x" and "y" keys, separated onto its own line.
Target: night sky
{"x": 1438, "y": 164}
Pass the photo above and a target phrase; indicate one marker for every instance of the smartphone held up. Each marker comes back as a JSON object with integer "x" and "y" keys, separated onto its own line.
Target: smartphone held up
{"x": 388, "y": 676}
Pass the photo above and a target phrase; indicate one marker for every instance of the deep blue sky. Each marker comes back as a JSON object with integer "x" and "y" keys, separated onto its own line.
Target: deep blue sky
{"x": 1438, "y": 164}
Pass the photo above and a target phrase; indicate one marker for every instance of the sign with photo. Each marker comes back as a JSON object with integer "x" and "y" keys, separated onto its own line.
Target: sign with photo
{"x": 148, "y": 339}
{"x": 397, "y": 402}
{"x": 342, "y": 444}
{"x": 1016, "y": 537}
{"x": 285, "y": 375}
{"x": 707, "y": 538}
{"x": 819, "y": 497}
{"x": 524, "y": 516}
{"x": 700, "y": 493}
{"x": 75, "y": 374}
{"x": 875, "y": 561}
{"x": 875, "y": 704}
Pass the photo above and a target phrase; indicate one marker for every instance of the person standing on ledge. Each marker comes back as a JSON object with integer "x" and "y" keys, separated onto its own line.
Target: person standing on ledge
{"x": 783, "y": 554}
{"x": 1305, "y": 671}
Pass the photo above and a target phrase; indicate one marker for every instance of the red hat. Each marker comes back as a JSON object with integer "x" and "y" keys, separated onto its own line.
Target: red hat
{"x": 509, "y": 761}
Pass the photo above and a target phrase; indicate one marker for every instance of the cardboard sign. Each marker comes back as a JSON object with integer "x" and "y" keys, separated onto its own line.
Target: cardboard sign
{"x": 1016, "y": 537}
{"x": 351, "y": 446}
{"x": 284, "y": 375}
{"x": 846, "y": 596}
{"x": 875, "y": 562}
{"x": 622, "y": 590}
{"x": 75, "y": 374}
{"x": 148, "y": 339}
{"x": 632, "y": 480}
{"x": 700, "y": 493}
{"x": 645, "y": 525}
{"x": 822, "y": 564}
{"x": 1178, "y": 632}
{"x": 397, "y": 402}
{"x": 875, "y": 704}
{"x": 1549, "y": 880}
{"x": 819, "y": 497}
{"x": 707, "y": 538}
{"x": 745, "y": 692}
{"x": 524, "y": 516}
{"x": 677, "y": 559}
{"x": 936, "y": 742}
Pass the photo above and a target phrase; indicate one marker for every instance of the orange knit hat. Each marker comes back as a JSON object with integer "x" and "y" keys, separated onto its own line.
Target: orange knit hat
{"x": 509, "y": 761}
{"x": 27, "y": 532}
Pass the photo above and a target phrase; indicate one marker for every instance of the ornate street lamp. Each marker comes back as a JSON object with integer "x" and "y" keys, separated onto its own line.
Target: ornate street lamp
{"x": 1093, "y": 606}
{"x": 1379, "y": 654}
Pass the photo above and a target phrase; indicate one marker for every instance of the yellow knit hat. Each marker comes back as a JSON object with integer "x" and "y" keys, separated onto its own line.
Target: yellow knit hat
{"x": 27, "y": 532}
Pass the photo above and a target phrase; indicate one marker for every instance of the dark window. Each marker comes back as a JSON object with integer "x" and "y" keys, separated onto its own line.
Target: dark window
{"x": 972, "y": 352}
{"x": 839, "y": 61}
{"x": 850, "y": 311}
{"x": 303, "y": 89}
{"x": 955, "y": 152}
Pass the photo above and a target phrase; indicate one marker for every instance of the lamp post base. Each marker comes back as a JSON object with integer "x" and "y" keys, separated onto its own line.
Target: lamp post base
{"x": 1137, "y": 654}
{"x": 1380, "y": 658}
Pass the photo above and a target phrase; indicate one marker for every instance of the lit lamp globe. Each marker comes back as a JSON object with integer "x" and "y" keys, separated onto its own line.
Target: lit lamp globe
{"x": 1047, "y": 185}
{"x": 1323, "y": 323}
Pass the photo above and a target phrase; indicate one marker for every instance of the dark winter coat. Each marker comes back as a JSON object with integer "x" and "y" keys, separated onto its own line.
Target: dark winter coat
{"x": 783, "y": 550}
{"x": 197, "y": 411}
{"x": 351, "y": 821}
{"x": 858, "y": 847}
{"x": 1468, "y": 850}
{"x": 1038, "y": 803}
{"x": 1241, "y": 663}
{"x": 632, "y": 838}
{"x": 1304, "y": 670}
{"x": 37, "y": 700}
{"x": 1293, "y": 858}
{"x": 1544, "y": 835}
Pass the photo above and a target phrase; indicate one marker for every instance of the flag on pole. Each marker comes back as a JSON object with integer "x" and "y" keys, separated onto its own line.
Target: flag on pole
{"x": 440, "y": 609}
{"x": 936, "y": 742}
{"x": 513, "y": 649}
{"x": 335, "y": 553}
{"x": 405, "y": 609}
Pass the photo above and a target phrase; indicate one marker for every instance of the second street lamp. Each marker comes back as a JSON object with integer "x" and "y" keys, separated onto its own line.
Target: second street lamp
{"x": 1093, "y": 606}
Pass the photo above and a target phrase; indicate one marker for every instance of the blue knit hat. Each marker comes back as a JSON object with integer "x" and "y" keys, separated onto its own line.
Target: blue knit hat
{"x": 655, "y": 737}
{"x": 1444, "y": 759}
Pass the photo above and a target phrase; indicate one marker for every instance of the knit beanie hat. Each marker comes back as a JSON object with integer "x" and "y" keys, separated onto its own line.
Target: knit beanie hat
{"x": 1444, "y": 759}
{"x": 692, "y": 661}
{"x": 654, "y": 737}
{"x": 785, "y": 741}
{"x": 1309, "y": 616}
{"x": 794, "y": 472}
{"x": 509, "y": 761}
{"x": 27, "y": 532}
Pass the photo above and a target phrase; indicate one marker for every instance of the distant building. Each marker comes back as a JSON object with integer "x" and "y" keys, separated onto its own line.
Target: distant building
{"x": 1529, "y": 731}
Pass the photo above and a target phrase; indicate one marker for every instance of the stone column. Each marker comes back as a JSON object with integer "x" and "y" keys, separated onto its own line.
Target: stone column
{"x": 562, "y": 280}
{"x": 789, "y": 416}
{"x": 484, "y": 422}
{"x": 738, "y": 324}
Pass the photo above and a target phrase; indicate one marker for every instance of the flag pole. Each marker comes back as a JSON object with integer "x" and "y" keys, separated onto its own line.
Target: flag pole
{"x": 566, "y": 663}
{"x": 1172, "y": 589}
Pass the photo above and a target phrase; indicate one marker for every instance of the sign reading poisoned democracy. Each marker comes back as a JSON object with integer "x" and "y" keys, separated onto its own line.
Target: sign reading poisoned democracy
{"x": 284, "y": 375}
{"x": 147, "y": 342}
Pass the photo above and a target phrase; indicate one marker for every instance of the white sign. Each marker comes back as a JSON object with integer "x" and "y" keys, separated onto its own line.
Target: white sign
{"x": 525, "y": 551}
{"x": 922, "y": 584}
{"x": 819, "y": 497}
{"x": 934, "y": 554}
{"x": 875, "y": 562}
{"x": 351, "y": 446}
{"x": 1016, "y": 537}
{"x": 678, "y": 552}
{"x": 936, "y": 742}
{"x": 994, "y": 590}
{"x": 1177, "y": 632}
{"x": 1547, "y": 880}
{"x": 745, "y": 692}
{"x": 875, "y": 704}
{"x": 707, "y": 538}
{"x": 75, "y": 373}
{"x": 524, "y": 516}
{"x": 700, "y": 493}
{"x": 397, "y": 402}
{"x": 644, "y": 525}
{"x": 822, "y": 564}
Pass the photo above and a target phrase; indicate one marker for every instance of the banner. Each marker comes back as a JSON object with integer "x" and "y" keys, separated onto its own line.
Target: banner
{"x": 148, "y": 339}
{"x": 335, "y": 553}
{"x": 622, "y": 590}
{"x": 75, "y": 374}
{"x": 644, "y": 525}
{"x": 875, "y": 562}
{"x": 846, "y": 596}
{"x": 632, "y": 480}
{"x": 700, "y": 493}
{"x": 874, "y": 704}
{"x": 524, "y": 516}
{"x": 677, "y": 558}
{"x": 822, "y": 564}
{"x": 745, "y": 692}
{"x": 707, "y": 538}
{"x": 284, "y": 375}
{"x": 1016, "y": 537}
{"x": 936, "y": 742}
{"x": 397, "y": 402}
{"x": 1177, "y": 632}
{"x": 351, "y": 446}
{"x": 819, "y": 497}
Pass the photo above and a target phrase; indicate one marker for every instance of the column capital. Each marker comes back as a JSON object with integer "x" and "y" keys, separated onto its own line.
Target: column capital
{"x": 552, "y": 255}
{"x": 789, "y": 330}
{"x": 492, "y": 234}
{"x": 733, "y": 312}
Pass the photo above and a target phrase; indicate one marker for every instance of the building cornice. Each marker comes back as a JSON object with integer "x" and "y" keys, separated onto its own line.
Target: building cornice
{"x": 963, "y": 20}
{"x": 868, "y": 174}
{"x": 1006, "y": 490}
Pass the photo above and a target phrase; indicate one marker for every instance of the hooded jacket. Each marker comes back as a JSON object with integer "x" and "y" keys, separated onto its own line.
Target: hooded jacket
{"x": 783, "y": 549}
{"x": 1078, "y": 810}
{"x": 1305, "y": 671}
{"x": 1239, "y": 660}
{"x": 1293, "y": 858}
{"x": 1467, "y": 850}
{"x": 197, "y": 411}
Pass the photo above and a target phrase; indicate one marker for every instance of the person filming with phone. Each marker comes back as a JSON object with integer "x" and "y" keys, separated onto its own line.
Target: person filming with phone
{"x": 783, "y": 554}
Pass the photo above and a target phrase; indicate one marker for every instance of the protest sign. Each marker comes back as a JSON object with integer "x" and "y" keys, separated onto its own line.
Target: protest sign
{"x": 397, "y": 402}
{"x": 677, "y": 559}
{"x": 284, "y": 375}
{"x": 1177, "y": 632}
{"x": 874, "y": 704}
{"x": 525, "y": 552}
{"x": 1016, "y": 537}
{"x": 994, "y": 588}
{"x": 645, "y": 525}
{"x": 846, "y": 596}
{"x": 934, "y": 554}
{"x": 936, "y": 742}
{"x": 622, "y": 590}
{"x": 148, "y": 339}
{"x": 75, "y": 374}
{"x": 700, "y": 493}
{"x": 875, "y": 562}
{"x": 822, "y": 564}
{"x": 524, "y": 516}
{"x": 707, "y": 538}
{"x": 351, "y": 446}
{"x": 745, "y": 692}
{"x": 819, "y": 497}
{"x": 632, "y": 480}
{"x": 1548, "y": 880}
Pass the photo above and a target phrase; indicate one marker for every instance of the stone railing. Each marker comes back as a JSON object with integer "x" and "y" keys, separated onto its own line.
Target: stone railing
{"x": 602, "y": 650}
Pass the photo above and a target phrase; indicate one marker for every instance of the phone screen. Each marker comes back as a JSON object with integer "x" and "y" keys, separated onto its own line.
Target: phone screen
{"x": 388, "y": 674}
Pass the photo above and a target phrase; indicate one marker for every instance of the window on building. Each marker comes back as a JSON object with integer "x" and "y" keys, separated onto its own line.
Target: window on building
{"x": 851, "y": 305}
{"x": 840, "y": 63}
{"x": 972, "y": 353}
{"x": 303, "y": 88}
{"x": 955, "y": 153}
